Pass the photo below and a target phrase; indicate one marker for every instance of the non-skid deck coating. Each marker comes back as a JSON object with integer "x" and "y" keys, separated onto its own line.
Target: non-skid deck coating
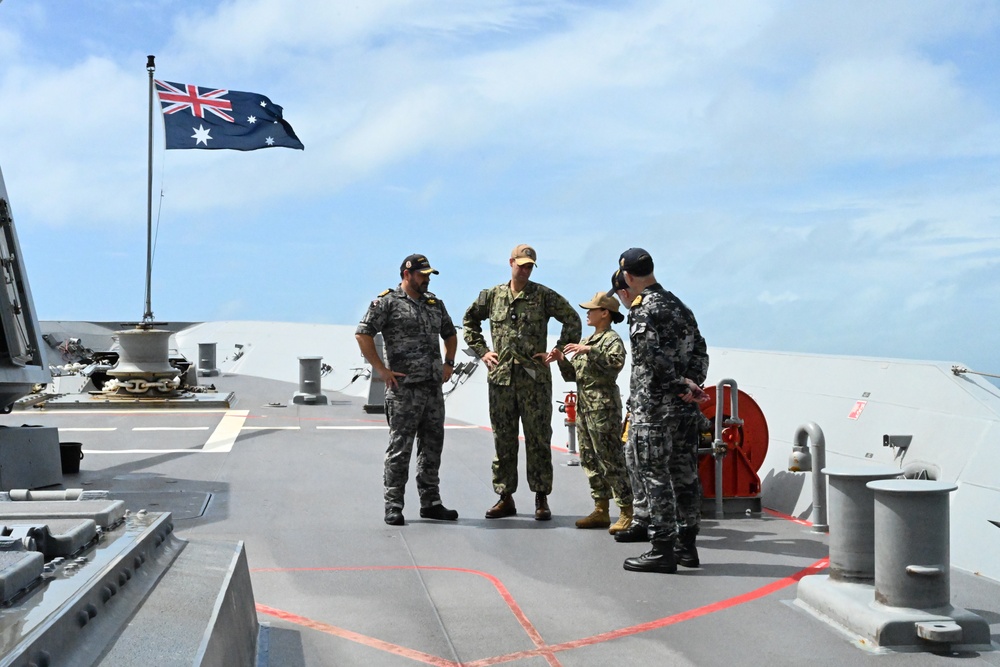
{"x": 302, "y": 486}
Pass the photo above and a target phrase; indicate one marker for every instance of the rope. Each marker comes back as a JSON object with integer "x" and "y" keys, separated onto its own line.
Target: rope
{"x": 959, "y": 370}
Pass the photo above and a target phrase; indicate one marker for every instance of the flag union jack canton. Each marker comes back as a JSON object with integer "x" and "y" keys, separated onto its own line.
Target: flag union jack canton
{"x": 212, "y": 118}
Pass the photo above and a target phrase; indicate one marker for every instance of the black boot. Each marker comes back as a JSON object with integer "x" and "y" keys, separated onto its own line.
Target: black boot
{"x": 684, "y": 549}
{"x": 659, "y": 559}
{"x": 637, "y": 532}
{"x": 439, "y": 512}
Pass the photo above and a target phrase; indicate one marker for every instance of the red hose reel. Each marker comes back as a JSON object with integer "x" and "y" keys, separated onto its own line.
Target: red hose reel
{"x": 746, "y": 447}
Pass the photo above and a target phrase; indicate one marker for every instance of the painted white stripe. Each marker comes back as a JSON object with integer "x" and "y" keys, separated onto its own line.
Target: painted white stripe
{"x": 384, "y": 428}
{"x": 150, "y": 451}
{"x": 227, "y": 431}
{"x": 271, "y": 428}
{"x": 86, "y": 430}
{"x": 170, "y": 428}
{"x": 353, "y": 428}
{"x": 172, "y": 412}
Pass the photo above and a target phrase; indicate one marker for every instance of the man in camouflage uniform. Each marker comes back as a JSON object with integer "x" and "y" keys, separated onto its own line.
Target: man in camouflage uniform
{"x": 520, "y": 383}
{"x": 669, "y": 362}
{"x": 594, "y": 367}
{"x": 410, "y": 319}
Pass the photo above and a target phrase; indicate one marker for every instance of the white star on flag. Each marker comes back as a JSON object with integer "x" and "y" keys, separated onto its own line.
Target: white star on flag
{"x": 251, "y": 119}
{"x": 201, "y": 135}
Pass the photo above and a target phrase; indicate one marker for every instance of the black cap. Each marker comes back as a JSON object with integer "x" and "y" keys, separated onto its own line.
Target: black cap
{"x": 417, "y": 263}
{"x": 617, "y": 282}
{"x": 636, "y": 261}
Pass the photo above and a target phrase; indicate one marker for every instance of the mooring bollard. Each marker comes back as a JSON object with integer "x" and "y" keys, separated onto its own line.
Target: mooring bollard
{"x": 912, "y": 549}
{"x": 309, "y": 391}
{"x": 206, "y": 360}
{"x": 852, "y": 520}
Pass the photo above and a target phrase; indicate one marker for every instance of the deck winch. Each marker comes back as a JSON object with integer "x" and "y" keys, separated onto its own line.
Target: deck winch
{"x": 143, "y": 364}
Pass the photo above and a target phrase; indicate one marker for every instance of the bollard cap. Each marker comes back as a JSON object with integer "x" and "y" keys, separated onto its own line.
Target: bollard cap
{"x": 915, "y": 486}
{"x": 860, "y": 472}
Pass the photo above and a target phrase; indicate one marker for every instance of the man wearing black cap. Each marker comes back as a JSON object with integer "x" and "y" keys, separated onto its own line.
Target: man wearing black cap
{"x": 410, "y": 319}
{"x": 669, "y": 362}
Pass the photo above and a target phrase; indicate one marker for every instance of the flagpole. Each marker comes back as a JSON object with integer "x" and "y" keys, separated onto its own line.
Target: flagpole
{"x": 147, "y": 317}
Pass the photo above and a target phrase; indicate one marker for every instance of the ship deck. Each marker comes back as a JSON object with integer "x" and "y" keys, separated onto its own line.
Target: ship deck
{"x": 301, "y": 486}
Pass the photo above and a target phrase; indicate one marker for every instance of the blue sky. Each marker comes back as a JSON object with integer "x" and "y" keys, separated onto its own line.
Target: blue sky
{"x": 808, "y": 176}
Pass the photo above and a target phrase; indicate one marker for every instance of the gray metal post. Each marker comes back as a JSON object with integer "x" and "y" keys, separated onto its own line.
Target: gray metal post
{"x": 206, "y": 360}
{"x": 309, "y": 382}
{"x": 852, "y": 520}
{"x": 719, "y": 448}
{"x": 912, "y": 549}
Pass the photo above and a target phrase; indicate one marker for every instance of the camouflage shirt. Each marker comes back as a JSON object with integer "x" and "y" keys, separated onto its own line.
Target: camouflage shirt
{"x": 519, "y": 328}
{"x": 666, "y": 348}
{"x": 410, "y": 330}
{"x": 596, "y": 372}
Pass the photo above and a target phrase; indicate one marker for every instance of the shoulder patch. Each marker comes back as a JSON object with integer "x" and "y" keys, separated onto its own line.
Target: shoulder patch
{"x": 636, "y": 301}
{"x": 385, "y": 292}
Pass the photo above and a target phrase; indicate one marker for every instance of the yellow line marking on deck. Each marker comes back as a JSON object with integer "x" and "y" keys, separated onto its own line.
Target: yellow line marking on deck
{"x": 227, "y": 431}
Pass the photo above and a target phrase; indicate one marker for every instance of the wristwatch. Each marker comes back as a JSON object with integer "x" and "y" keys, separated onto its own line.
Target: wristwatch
{"x": 449, "y": 362}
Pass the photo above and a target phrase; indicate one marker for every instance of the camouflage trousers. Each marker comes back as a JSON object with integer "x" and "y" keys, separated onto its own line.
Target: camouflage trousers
{"x": 414, "y": 411}
{"x": 662, "y": 461}
{"x": 530, "y": 403}
{"x": 601, "y": 456}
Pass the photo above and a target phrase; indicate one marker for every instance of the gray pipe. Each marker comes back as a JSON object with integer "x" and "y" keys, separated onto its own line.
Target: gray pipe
{"x": 806, "y": 433}
{"x": 719, "y": 448}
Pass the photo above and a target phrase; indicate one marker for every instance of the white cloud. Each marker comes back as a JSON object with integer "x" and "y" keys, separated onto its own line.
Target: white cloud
{"x": 769, "y": 299}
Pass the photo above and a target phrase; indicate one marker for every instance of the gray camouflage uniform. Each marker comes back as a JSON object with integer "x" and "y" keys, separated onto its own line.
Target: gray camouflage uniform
{"x": 662, "y": 445}
{"x": 415, "y": 408}
{"x": 520, "y": 387}
{"x": 599, "y": 413}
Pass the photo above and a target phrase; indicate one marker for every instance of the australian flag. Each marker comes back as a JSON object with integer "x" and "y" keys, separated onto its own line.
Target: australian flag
{"x": 212, "y": 118}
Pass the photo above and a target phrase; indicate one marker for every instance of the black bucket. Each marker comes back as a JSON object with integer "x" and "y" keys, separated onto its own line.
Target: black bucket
{"x": 71, "y": 453}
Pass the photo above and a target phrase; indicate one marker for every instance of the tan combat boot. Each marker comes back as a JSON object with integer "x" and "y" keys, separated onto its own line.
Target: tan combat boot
{"x": 599, "y": 518}
{"x": 624, "y": 521}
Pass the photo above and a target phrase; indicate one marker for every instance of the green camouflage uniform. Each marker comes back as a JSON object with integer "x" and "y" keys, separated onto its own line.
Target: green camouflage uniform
{"x": 599, "y": 415}
{"x": 662, "y": 446}
{"x": 520, "y": 387}
{"x": 415, "y": 408}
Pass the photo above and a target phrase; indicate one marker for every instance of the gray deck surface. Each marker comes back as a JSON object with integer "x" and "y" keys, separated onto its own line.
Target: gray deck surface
{"x": 339, "y": 587}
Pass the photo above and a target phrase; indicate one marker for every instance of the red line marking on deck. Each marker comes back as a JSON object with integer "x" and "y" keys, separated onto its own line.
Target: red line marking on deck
{"x": 355, "y": 637}
{"x": 544, "y": 650}
{"x": 786, "y": 517}
{"x": 505, "y": 595}
{"x": 704, "y": 610}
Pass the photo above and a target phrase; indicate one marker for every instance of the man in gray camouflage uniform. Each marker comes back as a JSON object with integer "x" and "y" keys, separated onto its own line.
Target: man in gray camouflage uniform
{"x": 520, "y": 383}
{"x": 411, "y": 319}
{"x": 669, "y": 363}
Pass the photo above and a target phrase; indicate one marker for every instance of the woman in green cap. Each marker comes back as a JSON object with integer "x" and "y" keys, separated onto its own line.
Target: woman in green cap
{"x": 594, "y": 364}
